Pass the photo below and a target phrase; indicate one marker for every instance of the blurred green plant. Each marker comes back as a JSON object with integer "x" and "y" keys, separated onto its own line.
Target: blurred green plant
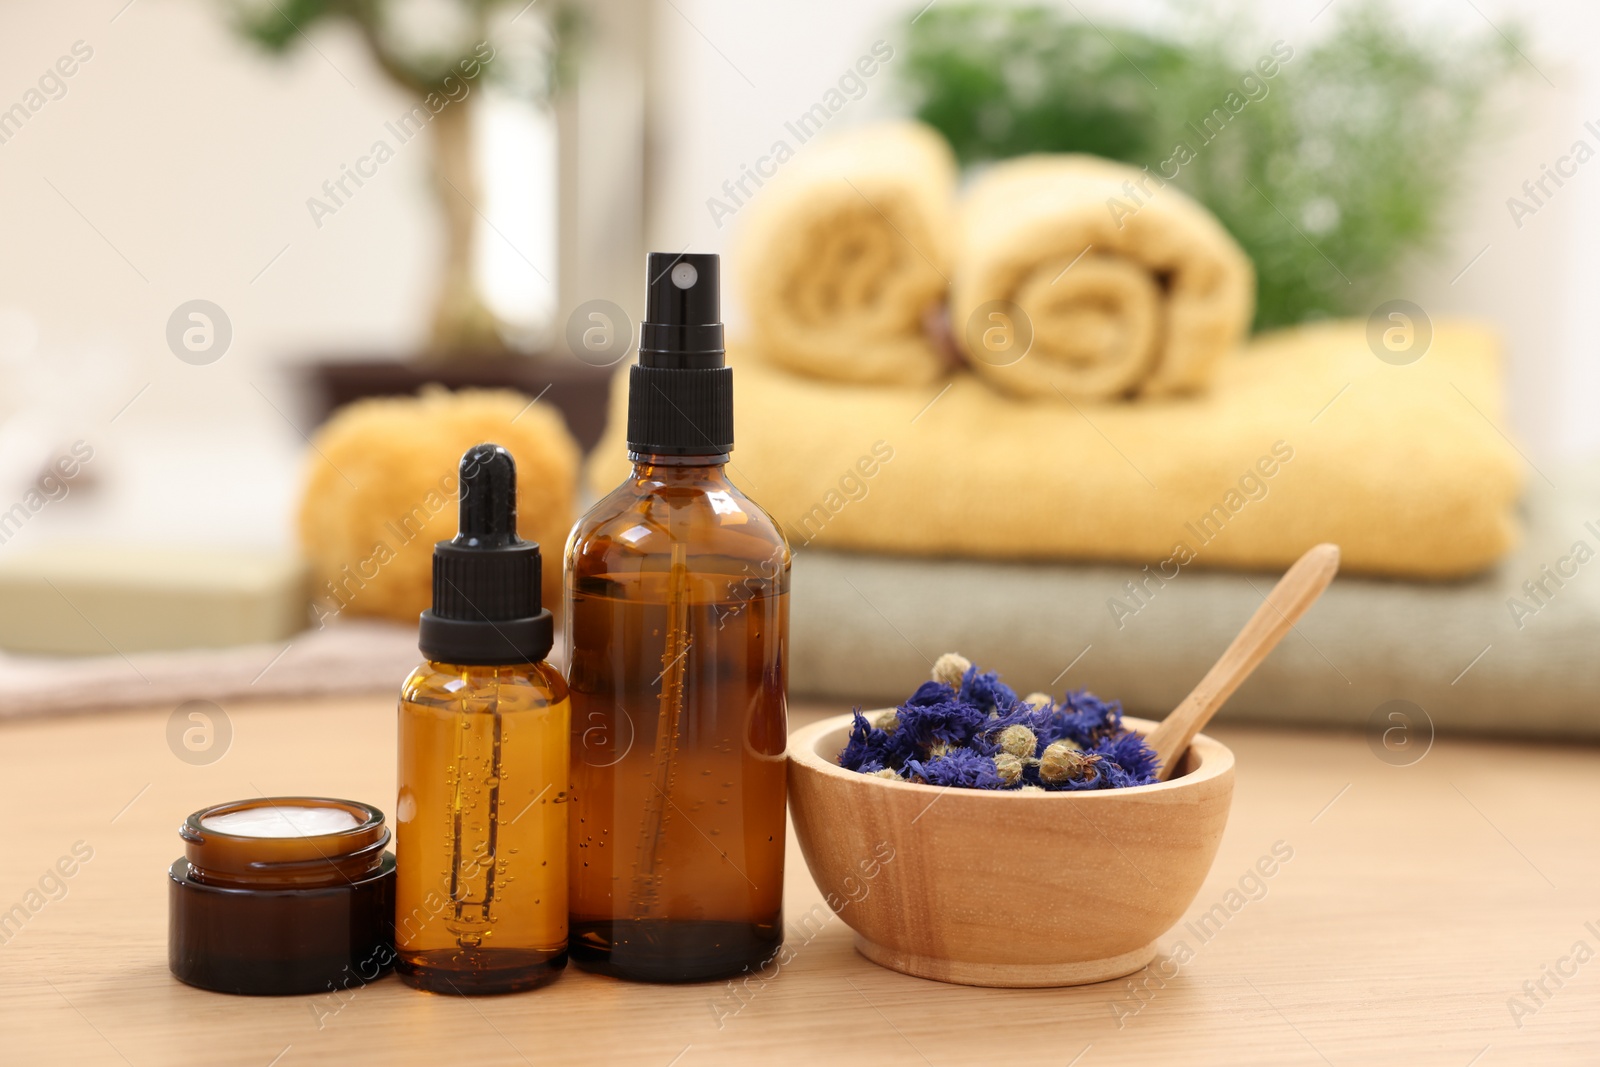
{"x": 1329, "y": 172}
{"x": 437, "y": 51}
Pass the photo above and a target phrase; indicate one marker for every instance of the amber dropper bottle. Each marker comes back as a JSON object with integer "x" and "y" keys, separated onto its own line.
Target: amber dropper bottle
{"x": 677, "y": 622}
{"x": 481, "y": 820}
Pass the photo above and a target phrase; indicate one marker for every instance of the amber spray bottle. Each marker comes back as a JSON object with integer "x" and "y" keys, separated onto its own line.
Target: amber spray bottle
{"x": 677, "y": 623}
{"x": 481, "y": 819}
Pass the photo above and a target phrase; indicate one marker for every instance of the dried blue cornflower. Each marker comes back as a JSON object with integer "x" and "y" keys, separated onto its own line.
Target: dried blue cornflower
{"x": 1019, "y": 741}
{"x": 961, "y": 767}
{"x": 950, "y": 668}
{"x": 1066, "y": 766}
{"x": 966, "y": 728}
{"x": 1009, "y": 768}
{"x": 923, "y": 725}
{"x": 932, "y": 693}
{"x": 985, "y": 689}
{"x": 867, "y": 745}
{"x": 1085, "y": 718}
{"x": 1128, "y": 757}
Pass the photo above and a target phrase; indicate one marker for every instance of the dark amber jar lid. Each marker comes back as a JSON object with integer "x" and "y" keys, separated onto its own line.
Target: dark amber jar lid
{"x": 305, "y": 908}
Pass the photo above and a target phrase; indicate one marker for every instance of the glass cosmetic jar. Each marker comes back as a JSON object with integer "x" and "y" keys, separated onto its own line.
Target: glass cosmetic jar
{"x": 282, "y": 895}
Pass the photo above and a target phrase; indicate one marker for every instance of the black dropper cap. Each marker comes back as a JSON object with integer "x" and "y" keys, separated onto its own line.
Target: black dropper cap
{"x": 680, "y": 395}
{"x": 486, "y": 602}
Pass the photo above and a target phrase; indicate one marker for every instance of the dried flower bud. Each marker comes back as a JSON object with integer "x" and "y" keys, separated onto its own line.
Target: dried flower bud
{"x": 950, "y": 668}
{"x": 1062, "y": 761}
{"x": 1029, "y": 787}
{"x": 886, "y": 773}
{"x": 888, "y": 722}
{"x": 1019, "y": 741}
{"x": 1008, "y": 767}
{"x": 1038, "y": 700}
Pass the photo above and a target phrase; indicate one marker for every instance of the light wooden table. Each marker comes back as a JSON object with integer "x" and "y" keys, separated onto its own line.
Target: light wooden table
{"x": 1417, "y": 903}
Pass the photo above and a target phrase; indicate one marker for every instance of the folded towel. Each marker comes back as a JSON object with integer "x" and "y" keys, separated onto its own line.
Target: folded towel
{"x": 845, "y": 253}
{"x": 346, "y": 656}
{"x": 1125, "y": 285}
{"x": 1306, "y": 436}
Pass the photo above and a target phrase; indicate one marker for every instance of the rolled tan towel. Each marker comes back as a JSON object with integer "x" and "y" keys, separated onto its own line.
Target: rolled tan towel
{"x": 1124, "y": 290}
{"x": 847, "y": 250}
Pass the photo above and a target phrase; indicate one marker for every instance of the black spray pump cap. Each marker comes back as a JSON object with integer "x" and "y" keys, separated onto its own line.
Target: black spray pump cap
{"x": 486, "y": 602}
{"x": 680, "y": 396}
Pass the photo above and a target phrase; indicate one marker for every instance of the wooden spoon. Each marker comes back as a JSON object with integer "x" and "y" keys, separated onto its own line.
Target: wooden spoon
{"x": 1295, "y": 592}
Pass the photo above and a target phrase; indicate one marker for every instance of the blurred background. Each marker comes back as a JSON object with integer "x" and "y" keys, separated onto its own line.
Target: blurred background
{"x": 225, "y": 219}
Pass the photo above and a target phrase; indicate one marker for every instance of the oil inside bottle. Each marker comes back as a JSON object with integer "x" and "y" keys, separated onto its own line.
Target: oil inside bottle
{"x": 482, "y": 813}
{"x": 678, "y": 830}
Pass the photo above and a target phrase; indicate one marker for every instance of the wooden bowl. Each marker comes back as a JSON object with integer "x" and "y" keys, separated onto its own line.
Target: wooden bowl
{"x": 1006, "y": 889}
